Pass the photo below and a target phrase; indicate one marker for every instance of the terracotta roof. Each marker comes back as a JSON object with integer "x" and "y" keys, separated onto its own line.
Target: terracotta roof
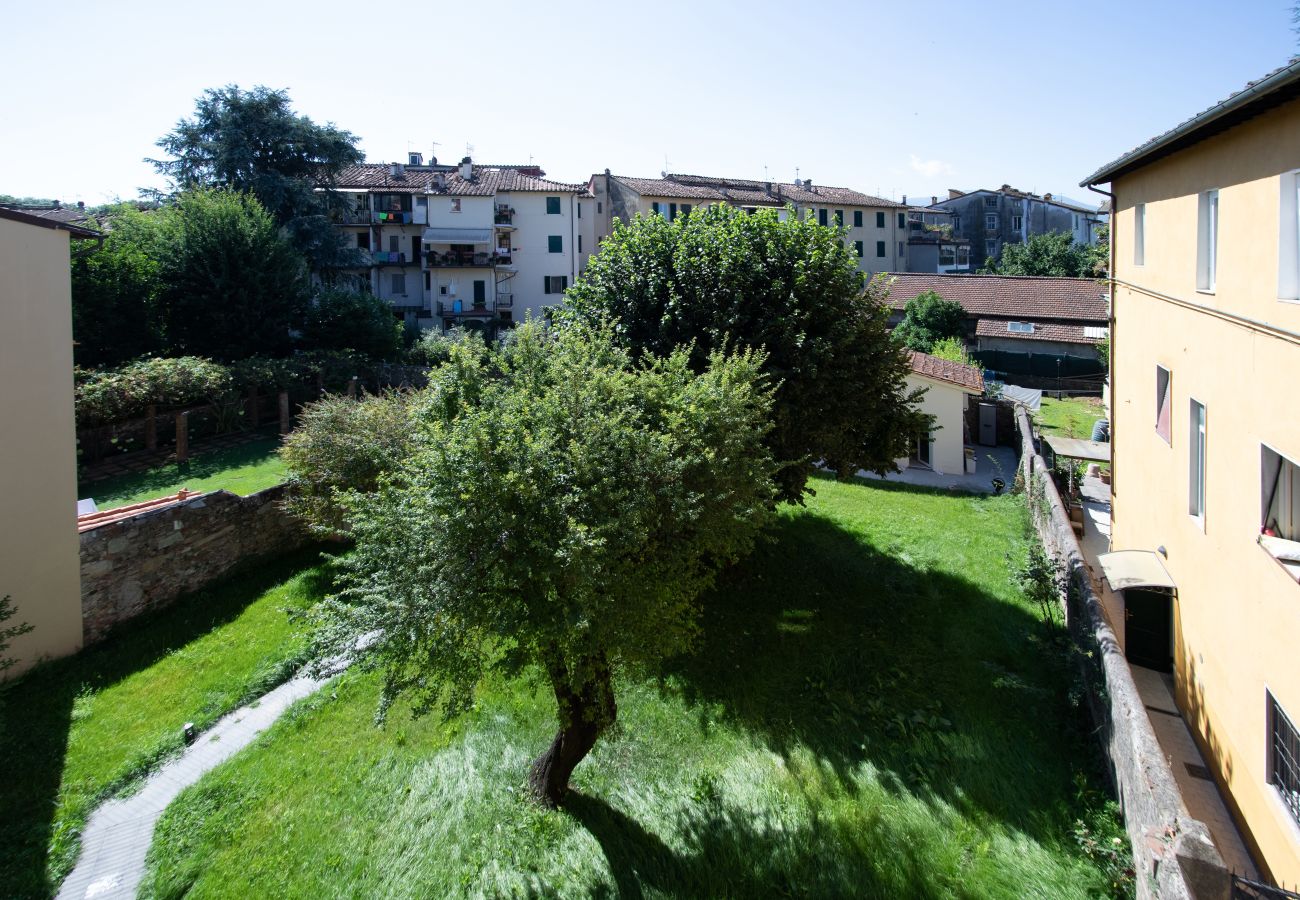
{"x": 1061, "y": 332}
{"x": 968, "y": 377}
{"x": 29, "y": 219}
{"x": 486, "y": 182}
{"x": 1009, "y": 296}
{"x": 748, "y": 192}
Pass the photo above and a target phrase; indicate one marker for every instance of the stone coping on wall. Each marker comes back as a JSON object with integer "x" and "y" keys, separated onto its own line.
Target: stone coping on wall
{"x": 1174, "y": 855}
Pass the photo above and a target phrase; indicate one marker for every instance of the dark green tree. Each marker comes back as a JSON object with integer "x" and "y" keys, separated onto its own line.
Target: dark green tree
{"x": 928, "y": 319}
{"x": 254, "y": 141}
{"x": 232, "y": 286}
{"x": 116, "y": 290}
{"x": 561, "y": 509}
{"x": 721, "y": 277}
{"x": 353, "y": 320}
{"x": 1054, "y": 254}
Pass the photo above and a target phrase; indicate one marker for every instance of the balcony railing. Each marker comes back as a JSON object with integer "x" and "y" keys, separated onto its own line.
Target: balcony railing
{"x": 460, "y": 308}
{"x": 351, "y": 216}
{"x": 504, "y": 301}
{"x": 391, "y": 218}
{"x": 390, "y": 258}
{"x": 504, "y": 216}
{"x": 454, "y": 258}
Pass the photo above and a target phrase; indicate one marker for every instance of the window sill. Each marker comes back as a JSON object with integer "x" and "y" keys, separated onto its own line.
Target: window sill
{"x": 1292, "y": 300}
{"x": 1209, "y": 292}
{"x": 1198, "y": 522}
{"x": 1278, "y": 548}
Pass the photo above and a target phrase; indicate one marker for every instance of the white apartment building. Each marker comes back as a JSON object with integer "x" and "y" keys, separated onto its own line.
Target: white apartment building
{"x": 877, "y": 228}
{"x": 472, "y": 245}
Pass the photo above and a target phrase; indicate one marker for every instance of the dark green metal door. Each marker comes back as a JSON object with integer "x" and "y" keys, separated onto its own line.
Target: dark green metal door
{"x": 1148, "y": 628}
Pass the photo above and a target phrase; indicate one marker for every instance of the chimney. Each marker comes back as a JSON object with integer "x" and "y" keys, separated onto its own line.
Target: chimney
{"x": 397, "y": 170}
{"x": 904, "y": 199}
{"x": 607, "y": 173}
{"x": 798, "y": 182}
{"x": 58, "y": 204}
{"x": 467, "y": 169}
{"x": 415, "y": 159}
{"x": 934, "y": 199}
{"x": 440, "y": 180}
{"x": 1047, "y": 196}
{"x": 81, "y": 204}
{"x": 807, "y": 182}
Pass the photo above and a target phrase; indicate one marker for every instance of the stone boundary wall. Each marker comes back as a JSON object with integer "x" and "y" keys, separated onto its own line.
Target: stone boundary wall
{"x": 1174, "y": 856}
{"x": 146, "y": 561}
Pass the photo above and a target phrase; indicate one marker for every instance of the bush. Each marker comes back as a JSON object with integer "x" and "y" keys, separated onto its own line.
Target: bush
{"x": 125, "y": 393}
{"x": 954, "y": 350}
{"x": 341, "y": 445}
{"x": 434, "y": 348}
{"x": 928, "y": 318}
{"x": 351, "y": 320}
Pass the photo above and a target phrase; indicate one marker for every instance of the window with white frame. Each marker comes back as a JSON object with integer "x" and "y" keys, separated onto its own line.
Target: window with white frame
{"x": 1207, "y": 240}
{"x": 1139, "y": 234}
{"x": 1164, "y": 403}
{"x": 1017, "y": 223}
{"x": 991, "y": 248}
{"x": 1020, "y": 327}
{"x": 1196, "y": 461}
{"x": 1288, "y": 256}
{"x": 991, "y": 222}
{"x": 1283, "y": 756}
{"x": 991, "y": 202}
{"x": 1279, "y": 501}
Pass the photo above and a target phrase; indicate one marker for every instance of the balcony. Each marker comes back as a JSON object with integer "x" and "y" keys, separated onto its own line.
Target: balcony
{"x": 461, "y": 259}
{"x": 459, "y": 309}
{"x": 351, "y": 216}
{"x": 504, "y": 301}
{"x": 505, "y": 217}
{"x": 391, "y": 217}
{"x": 391, "y": 258}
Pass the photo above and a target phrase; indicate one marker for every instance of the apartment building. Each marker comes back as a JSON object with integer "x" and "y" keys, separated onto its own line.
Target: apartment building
{"x": 473, "y": 245}
{"x": 932, "y": 248}
{"x": 1205, "y": 352}
{"x": 877, "y": 228}
{"x": 991, "y": 219}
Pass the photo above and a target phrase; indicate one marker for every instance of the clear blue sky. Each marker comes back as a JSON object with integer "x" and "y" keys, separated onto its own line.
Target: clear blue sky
{"x": 892, "y": 98}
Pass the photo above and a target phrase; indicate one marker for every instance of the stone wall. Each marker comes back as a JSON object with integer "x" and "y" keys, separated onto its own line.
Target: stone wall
{"x": 1173, "y": 853}
{"x": 145, "y": 562}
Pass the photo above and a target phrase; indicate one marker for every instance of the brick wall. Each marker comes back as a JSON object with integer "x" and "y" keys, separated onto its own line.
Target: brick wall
{"x": 144, "y": 562}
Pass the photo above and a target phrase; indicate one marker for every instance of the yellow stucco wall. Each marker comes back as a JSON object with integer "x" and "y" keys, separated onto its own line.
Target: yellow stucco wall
{"x": 1237, "y": 614}
{"x": 39, "y": 548}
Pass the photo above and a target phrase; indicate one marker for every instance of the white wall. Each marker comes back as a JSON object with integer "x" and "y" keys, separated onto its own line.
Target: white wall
{"x": 530, "y": 249}
{"x": 947, "y": 403}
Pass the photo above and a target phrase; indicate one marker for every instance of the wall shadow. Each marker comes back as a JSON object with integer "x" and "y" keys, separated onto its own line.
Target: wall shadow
{"x": 37, "y": 709}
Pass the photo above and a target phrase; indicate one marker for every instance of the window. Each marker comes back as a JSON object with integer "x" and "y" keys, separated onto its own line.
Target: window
{"x": 902, "y": 220}
{"x": 1017, "y": 223}
{"x": 880, "y": 220}
{"x": 399, "y": 285}
{"x": 991, "y": 202}
{"x": 455, "y": 204}
{"x": 428, "y": 279}
{"x": 579, "y": 210}
{"x": 1196, "y": 461}
{"x": 1139, "y": 234}
{"x": 656, "y": 209}
{"x": 1283, "y": 756}
{"x": 579, "y": 243}
{"x": 857, "y": 218}
{"x": 880, "y": 248}
{"x": 821, "y": 217}
{"x": 555, "y": 284}
{"x": 1288, "y": 257}
{"x": 442, "y": 290}
{"x": 1164, "y": 403}
{"x": 839, "y": 218}
{"x": 991, "y": 248}
{"x": 857, "y": 248}
{"x": 686, "y": 209}
{"x": 963, "y": 256}
{"x": 672, "y": 211}
{"x": 363, "y": 240}
{"x": 392, "y": 244}
{"x": 1095, "y": 332}
{"x": 422, "y": 201}
{"x": 901, "y": 250}
{"x": 1020, "y": 327}
{"x": 956, "y": 224}
{"x": 1074, "y": 219}
{"x": 600, "y": 207}
{"x": 552, "y": 206}
{"x": 991, "y": 222}
{"x": 555, "y": 243}
{"x": 1279, "y": 497}
{"x": 1207, "y": 240}
{"x": 947, "y": 255}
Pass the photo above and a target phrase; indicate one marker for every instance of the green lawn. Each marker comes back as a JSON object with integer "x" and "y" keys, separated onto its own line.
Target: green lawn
{"x": 874, "y": 710}
{"x": 1071, "y": 417}
{"x": 76, "y": 730}
{"x": 244, "y": 470}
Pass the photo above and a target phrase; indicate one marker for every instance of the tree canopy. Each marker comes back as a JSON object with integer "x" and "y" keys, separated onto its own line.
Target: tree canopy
{"x": 561, "y": 507}
{"x": 1053, "y": 254}
{"x": 720, "y": 277}
{"x": 928, "y": 319}
{"x": 253, "y": 141}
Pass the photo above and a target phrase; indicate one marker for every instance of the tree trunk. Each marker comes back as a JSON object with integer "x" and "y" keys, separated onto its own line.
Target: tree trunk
{"x": 585, "y": 710}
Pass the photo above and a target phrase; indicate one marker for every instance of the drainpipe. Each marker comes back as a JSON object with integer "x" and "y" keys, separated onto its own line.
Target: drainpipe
{"x": 1110, "y": 363}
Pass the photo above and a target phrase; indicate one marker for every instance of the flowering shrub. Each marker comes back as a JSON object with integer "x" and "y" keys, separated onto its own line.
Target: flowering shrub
{"x": 116, "y": 394}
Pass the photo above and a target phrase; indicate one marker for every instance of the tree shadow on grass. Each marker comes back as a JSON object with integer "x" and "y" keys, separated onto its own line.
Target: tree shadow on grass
{"x": 37, "y": 709}
{"x": 822, "y": 643}
{"x": 165, "y": 476}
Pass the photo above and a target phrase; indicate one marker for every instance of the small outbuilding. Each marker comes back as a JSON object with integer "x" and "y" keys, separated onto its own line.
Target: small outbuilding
{"x": 948, "y": 387}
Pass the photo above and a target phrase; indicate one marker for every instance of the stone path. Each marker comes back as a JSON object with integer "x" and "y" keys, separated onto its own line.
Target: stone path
{"x": 117, "y": 837}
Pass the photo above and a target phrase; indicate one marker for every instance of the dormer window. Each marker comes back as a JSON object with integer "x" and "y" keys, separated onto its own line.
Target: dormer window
{"x": 1020, "y": 327}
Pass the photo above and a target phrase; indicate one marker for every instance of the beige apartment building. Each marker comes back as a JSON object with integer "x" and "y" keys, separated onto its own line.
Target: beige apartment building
{"x": 877, "y": 228}
{"x": 1205, "y": 357}
{"x": 40, "y": 562}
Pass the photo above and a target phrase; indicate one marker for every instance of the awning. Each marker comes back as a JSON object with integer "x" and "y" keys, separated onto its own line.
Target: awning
{"x": 1093, "y": 451}
{"x": 1134, "y": 569}
{"x": 458, "y": 235}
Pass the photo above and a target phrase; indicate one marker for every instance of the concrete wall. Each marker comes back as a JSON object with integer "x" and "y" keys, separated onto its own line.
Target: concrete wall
{"x": 531, "y": 253}
{"x": 145, "y": 562}
{"x": 38, "y": 477}
{"x": 1237, "y": 612}
{"x": 947, "y": 403}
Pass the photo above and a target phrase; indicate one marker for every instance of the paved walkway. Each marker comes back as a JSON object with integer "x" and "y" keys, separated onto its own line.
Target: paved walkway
{"x": 117, "y": 837}
{"x": 990, "y": 463}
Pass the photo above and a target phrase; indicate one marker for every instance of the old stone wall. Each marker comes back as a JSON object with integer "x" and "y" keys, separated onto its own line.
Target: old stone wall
{"x": 1173, "y": 853}
{"x": 144, "y": 562}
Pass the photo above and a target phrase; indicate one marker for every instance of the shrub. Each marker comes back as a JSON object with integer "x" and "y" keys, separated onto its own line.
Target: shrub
{"x": 116, "y": 394}
{"x": 954, "y": 350}
{"x": 352, "y": 320}
{"x": 434, "y": 348}
{"x": 928, "y": 318}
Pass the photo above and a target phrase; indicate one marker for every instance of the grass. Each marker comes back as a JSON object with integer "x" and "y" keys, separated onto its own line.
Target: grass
{"x": 874, "y": 710}
{"x": 77, "y": 730}
{"x": 1071, "y": 417}
{"x": 244, "y": 470}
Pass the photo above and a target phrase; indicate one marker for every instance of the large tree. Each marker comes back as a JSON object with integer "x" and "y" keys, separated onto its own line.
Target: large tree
{"x": 928, "y": 319}
{"x": 561, "y": 508}
{"x": 116, "y": 289}
{"x": 254, "y": 141}
{"x": 720, "y": 277}
{"x": 1054, "y": 253}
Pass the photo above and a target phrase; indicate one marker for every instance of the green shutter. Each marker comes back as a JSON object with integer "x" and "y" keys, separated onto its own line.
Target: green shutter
{"x": 555, "y": 243}
{"x": 857, "y": 248}
{"x": 552, "y": 206}
{"x": 880, "y": 247}
{"x": 857, "y": 219}
{"x": 821, "y": 217}
{"x": 880, "y": 220}
{"x": 902, "y": 221}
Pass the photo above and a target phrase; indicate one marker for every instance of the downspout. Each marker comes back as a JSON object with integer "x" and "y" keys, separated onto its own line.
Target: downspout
{"x": 1110, "y": 362}
{"x": 573, "y": 241}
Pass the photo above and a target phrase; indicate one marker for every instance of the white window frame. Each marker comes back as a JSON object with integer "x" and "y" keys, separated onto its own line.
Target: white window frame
{"x": 1140, "y": 234}
{"x": 1197, "y": 445}
{"x": 1020, "y": 327}
{"x": 991, "y": 222}
{"x": 1207, "y": 241}
{"x": 1017, "y": 222}
{"x": 1285, "y": 493}
{"x": 1288, "y": 255}
{"x": 1162, "y": 397}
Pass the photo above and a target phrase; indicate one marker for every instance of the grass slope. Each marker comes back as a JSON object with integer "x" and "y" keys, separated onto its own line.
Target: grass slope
{"x": 78, "y": 729}
{"x": 1071, "y": 417}
{"x": 872, "y": 712}
{"x": 243, "y": 470}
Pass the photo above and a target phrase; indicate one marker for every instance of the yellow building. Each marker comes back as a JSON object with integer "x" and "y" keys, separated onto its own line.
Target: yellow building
{"x": 1205, "y": 357}
{"x": 40, "y": 561}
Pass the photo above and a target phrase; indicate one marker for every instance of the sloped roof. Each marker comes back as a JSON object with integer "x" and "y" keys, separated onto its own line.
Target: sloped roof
{"x": 748, "y": 192}
{"x": 963, "y": 376}
{"x": 485, "y": 183}
{"x": 1008, "y": 191}
{"x": 1018, "y": 297}
{"x": 46, "y": 222}
{"x": 1061, "y": 332}
{"x": 1277, "y": 87}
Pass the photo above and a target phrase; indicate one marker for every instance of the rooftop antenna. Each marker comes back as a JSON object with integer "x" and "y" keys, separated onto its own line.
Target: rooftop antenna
{"x": 469, "y": 149}
{"x": 796, "y": 174}
{"x": 435, "y": 146}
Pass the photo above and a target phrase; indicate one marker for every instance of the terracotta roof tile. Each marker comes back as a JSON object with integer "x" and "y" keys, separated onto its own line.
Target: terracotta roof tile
{"x": 969, "y": 377}
{"x": 486, "y": 182}
{"x": 1009, "y": 296}
{"x": 1061, "y": 332}
{"x": 749, "y": 192}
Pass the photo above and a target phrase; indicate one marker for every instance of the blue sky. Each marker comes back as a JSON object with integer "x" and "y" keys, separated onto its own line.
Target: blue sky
{"x": 890, "y": 98}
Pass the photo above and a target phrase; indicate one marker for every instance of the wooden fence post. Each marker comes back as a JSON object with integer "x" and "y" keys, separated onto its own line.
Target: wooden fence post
{"x": 151, "y": 427}
{"x": 352, "y": 388}
{"x": 182, "y": 436}
{"x": 284, "y": 412}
